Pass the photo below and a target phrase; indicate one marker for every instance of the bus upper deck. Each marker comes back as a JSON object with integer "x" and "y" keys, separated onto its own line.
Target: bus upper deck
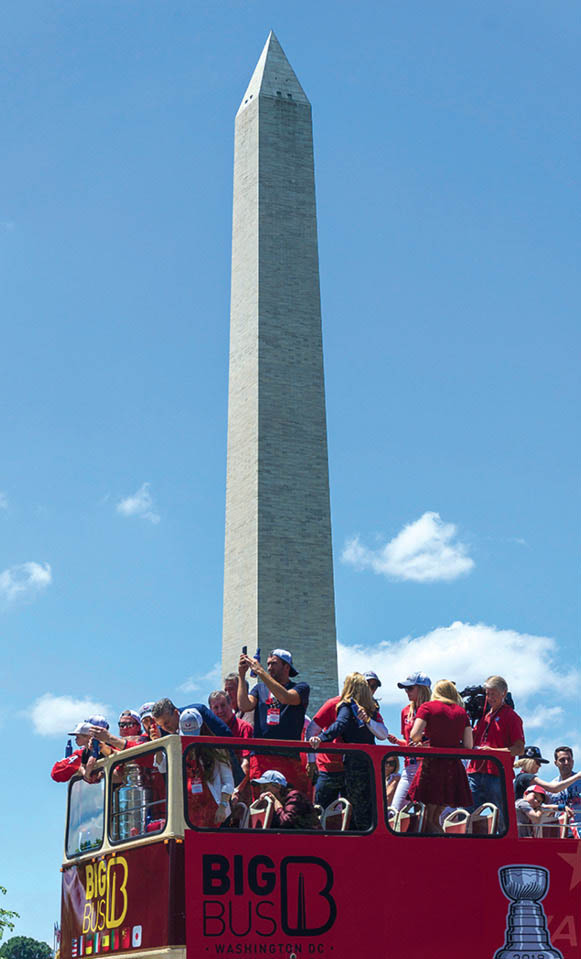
{"x": 147, "y": 869}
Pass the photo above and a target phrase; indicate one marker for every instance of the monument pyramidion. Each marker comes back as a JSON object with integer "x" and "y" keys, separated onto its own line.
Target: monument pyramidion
{"x": 278, "y": 565}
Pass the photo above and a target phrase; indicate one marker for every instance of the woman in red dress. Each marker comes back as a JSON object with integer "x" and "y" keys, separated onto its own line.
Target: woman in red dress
{"x": 441, "y": 782}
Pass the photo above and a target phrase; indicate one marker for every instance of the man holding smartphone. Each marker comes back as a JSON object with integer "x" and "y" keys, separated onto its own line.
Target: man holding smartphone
{"x": 279, "y": 707}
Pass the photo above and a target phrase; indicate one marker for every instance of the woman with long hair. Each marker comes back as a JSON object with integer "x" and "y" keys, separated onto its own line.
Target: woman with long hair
{"x": 441, "y": 782}
{"x": 209, "y": 784}
{"x": 417, "y": 687}
{"x": 209, "y": 779}
{"x": 358, "y": 721}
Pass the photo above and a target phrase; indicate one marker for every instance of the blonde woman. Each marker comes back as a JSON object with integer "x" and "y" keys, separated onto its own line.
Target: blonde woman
{"x": 441, "y": 782}
{"x": 358, "y": 721}
{"x": 417, "y": 687}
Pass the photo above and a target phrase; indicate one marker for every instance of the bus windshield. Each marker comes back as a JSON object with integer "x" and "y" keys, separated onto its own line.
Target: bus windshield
{"x": 86, "y": 817}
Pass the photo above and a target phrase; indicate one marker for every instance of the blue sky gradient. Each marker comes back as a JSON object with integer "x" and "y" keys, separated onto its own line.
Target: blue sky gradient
{"x": 446, "y": 147}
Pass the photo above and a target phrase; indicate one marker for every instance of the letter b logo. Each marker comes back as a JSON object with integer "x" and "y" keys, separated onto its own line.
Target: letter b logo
{"x": 307, "y": 906}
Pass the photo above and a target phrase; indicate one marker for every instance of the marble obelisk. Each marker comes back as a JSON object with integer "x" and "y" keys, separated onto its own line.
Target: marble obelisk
{"x": 278, "y": 566}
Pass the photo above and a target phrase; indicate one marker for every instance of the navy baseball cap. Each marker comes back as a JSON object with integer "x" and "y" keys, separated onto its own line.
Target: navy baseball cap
{"x": 533, "y": 752}
{"x": 415, "y": 679}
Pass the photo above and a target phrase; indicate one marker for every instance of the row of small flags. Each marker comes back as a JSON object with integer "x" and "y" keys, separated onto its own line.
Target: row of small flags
{"x": 97, "y": 942}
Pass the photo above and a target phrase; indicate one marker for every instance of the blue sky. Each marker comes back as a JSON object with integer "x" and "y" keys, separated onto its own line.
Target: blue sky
{"x": 446, "y": 144}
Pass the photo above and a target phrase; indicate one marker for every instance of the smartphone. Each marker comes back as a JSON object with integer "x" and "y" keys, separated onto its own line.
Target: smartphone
{"x": 257, "y": 658}
{"x": 245, "y": 650}
{"x": 96, "y": 748}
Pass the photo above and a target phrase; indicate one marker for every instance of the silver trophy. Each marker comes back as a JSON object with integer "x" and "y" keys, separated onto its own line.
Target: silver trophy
{"x": 132, "y": 801}
{"x": 526, "y": 935}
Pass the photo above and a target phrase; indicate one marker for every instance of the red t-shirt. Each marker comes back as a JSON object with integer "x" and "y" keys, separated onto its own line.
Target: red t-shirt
{"x": 498, "y": 730}
{"x": 242, "y": 729}
{"x": 445, "y": 724}
{"x": 327, "y": 714}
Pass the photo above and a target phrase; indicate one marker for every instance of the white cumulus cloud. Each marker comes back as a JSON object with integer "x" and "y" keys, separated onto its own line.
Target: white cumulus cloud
{"x": 543, "y": 716}
{"x": 424, "y": 551}
{"x": 209, "y": 681}
{"x": 467, "y": 654}
{"x": 139, "y": 504}
{"x": 57, "y": 715}
{"x": 24, "y": 581}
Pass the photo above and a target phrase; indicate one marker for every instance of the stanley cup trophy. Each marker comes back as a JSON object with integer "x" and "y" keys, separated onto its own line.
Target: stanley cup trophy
{"x": 526, "y": 928}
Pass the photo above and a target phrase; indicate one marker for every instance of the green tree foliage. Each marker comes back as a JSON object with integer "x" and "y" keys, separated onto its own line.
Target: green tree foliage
{"x": 6, "y": 917}
{"x": 23, "y": 947}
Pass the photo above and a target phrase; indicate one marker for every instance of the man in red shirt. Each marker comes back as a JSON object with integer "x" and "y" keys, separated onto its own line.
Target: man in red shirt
{"x": 500, "y": 727}
{"x": 221, "y": 705}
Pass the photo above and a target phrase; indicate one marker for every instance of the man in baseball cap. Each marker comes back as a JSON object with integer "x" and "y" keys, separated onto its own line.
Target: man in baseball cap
{"x": 373, "y": 680}
{"x": 190, "y": 722}
{"x": 292, "y": 809}
{"x": 279, "y": 707}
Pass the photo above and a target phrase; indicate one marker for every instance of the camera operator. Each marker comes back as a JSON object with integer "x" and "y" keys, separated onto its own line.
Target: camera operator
{"x": 499, "y": 728}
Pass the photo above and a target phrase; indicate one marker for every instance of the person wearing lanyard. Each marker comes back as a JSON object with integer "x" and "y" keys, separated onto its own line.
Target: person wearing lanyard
{"x": 418, "y": 691}
{"x": 279, "y": 712}
{"x": 209, "y": 781}
{"x": 500, "y": 727}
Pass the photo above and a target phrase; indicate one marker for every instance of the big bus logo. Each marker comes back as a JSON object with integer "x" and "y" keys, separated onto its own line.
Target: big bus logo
{"x": 257, "y": 897}
{"x": 105, "y": 894}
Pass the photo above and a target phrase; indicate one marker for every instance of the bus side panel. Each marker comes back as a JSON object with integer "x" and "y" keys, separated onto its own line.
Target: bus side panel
{"x": 391, "y": 896}
{"x": 117, "y": 902}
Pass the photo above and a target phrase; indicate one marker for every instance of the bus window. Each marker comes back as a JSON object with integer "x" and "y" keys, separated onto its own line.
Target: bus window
{"x": 276, "y": 793}
{"x": 85, "y": 819}
{"x": 138, "y": 796}
{"x": 438, "y": 801}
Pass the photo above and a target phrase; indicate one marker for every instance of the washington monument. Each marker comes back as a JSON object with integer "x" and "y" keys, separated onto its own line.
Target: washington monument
{"x": 278, "y": 565}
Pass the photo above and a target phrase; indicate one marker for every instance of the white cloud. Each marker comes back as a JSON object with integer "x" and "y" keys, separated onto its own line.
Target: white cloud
{"x": 542, "y": 716}
{"x": 57, "y": 715}
{"x": 3, "y": 501}
{"x": 467, "y": 654}
{"x": 424, "y": 551}
{"x": 140, "y": 504}
{"x": 210, "y": 681}
{"x": 24, "y": 581}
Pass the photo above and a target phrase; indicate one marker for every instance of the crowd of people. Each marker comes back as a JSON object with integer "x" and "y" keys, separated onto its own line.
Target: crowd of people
{"x": 296, "y": 783}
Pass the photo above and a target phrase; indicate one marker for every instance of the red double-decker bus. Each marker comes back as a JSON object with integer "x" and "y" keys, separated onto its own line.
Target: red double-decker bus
{"x": 140, "y": 877}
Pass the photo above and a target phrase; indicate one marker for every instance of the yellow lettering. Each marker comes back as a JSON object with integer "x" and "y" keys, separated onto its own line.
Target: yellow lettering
{"x": 102, "y": 877}
{"x": 90, "y": 882}
{"x": 113, "y": 921}
{"x": 93, "y": 917}
{"x": 86, "y": 917}
{"x": 102, "y": 917}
